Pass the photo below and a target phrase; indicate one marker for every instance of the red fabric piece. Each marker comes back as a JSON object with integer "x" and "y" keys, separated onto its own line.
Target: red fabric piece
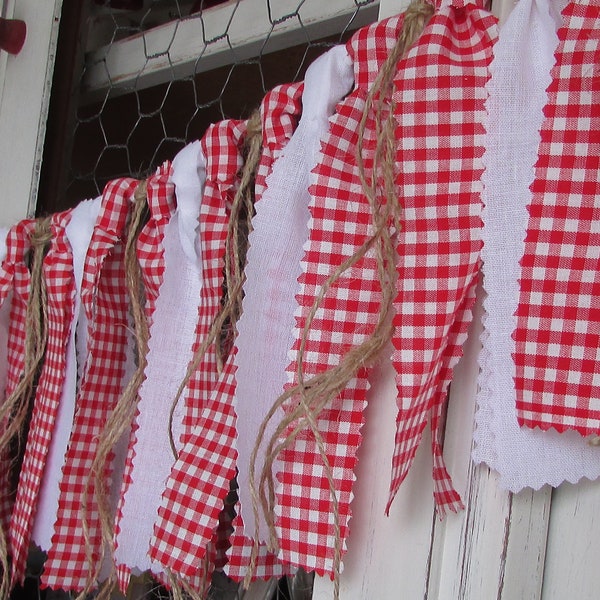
{"x": 340, "y": 224}
{"x": 15, "y": 280}
{"x": 558, "y": 318}
{"x": 439, "y": 94}
{"x": 105, "y": 300}
{"x": 199, "y": 480}
{"x": 60, "y": 286}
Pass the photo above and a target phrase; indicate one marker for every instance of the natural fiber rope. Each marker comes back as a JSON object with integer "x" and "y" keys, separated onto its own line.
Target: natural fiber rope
{"x": 313, "y": 395}
{"x": 239, "y": 226}
{"x": 15, "y": 409}
{"x": 123, "y": 413}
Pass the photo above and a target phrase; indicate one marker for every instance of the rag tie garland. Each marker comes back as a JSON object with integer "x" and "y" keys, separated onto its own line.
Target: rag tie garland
{"x": 261, "y": 308}
{"x": 558, "y": 318}
{"x": 57, "y": 306}
{"x": 439, "y": 95}
{"x": 311, "y": 533}
{"x": 23, "y": 353}
{"x": 200, "y": 477}
{"x": 169, "y": 350}
{"x": 74, "y": 553}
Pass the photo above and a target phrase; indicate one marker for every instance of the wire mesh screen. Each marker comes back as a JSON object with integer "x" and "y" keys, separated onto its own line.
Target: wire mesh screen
{"x": 158, "y": 72}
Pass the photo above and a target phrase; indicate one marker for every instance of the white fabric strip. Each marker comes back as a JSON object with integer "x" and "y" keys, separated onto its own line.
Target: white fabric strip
{"x": 276, "y": 248}
{"x": 79, "y": 233}
{"x": 170, "y": 350}
{"x": 524, "y": 56}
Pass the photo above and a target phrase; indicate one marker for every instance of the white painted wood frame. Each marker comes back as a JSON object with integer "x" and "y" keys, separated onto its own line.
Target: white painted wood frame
{"x": 25, "y": 82}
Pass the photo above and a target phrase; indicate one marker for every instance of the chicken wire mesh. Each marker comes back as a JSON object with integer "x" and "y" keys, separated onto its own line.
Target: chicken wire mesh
{"x": 156, "y": 73}
{"x": 146, "y": 78}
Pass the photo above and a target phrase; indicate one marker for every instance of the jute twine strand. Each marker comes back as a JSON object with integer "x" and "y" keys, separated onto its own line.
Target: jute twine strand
{"x": 224, "y": 328}
{"x": 15, "y": 409}
{"x": 122, "y": 416}
{"x": 313, "y": 395}
{"x": 239, "y": 226}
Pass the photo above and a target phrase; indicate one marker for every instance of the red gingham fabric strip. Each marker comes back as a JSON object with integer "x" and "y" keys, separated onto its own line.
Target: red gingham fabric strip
{"x": 439, "y": 95}
{"x": 340, "y": 224}
{"x": 558, "y": 318}
{"x": 150, "y": 253}
{"x": 200, "y": 478}
{"x": 105, "y": 300}
{"x": 280, "y": 112}
{"x": 198, "y": 484}
{"x": 58, "y": 274}
{"x": 221, "y": 146}
{"x": 15, "y": 279}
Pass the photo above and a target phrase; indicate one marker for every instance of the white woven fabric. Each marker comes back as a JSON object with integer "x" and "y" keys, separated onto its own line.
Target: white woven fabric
{"x": 170, "y": 349}
{"x": 79, "y": 233}
{"x": 265, "y": 329}
{"x": 524, "y": 56}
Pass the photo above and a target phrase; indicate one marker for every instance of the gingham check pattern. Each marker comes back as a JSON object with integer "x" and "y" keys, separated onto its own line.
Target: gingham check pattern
{"x": 104, "y": 298}
{"x": 199, "y": 480}
{"x": 60, "y": 287}
{"x": 280, "y": 112}
{"x": 14, "y": 278}
{"x": 150, "y": 252}
{"x": 340, "y": 224}
{"x": 558, "y": 318}
{"x": 439, "y": 95}
{"x": 221, "y": 146}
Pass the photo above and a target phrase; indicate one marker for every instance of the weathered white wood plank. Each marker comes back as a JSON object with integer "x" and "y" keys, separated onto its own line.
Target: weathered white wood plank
{"x": 225, "y": 34}
{"x": 24, "y": 107}
{"x": 496, "y": 547}
{"x": 573, "y": 543}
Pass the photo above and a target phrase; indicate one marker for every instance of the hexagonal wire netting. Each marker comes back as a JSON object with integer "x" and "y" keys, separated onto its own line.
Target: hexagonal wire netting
{"x": 158, "y": 72}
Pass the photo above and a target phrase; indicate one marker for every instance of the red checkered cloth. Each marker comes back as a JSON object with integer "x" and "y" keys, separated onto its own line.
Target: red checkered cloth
{"x": 439, "y": 95}
{"x": 150, "y": 252}
{"x": 558, "y": 317}
{"x": 200, "y": 478}
{"x": 105, "y": 301}
{"x": 340, "y": 224}
{"x": 60, "y": 288}
{"x": 14, "y": 288}
{"x": 221, "y": 146}
{"x": 280, "y": 111}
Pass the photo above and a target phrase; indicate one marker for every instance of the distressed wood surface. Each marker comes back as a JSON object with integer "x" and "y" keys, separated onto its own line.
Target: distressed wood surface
{"x": 573, "y": 543}
{"x": 226, "y": 33}
{"x": 26, "y": 83}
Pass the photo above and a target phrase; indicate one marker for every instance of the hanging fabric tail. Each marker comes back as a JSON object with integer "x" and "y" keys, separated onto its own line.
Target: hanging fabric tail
{"x": 57, "y": 271}
{"x": 74, "y": 553}
{"x": 178, "y": 287}
{"x": 439, "y": 107}
{"x": 200, "y": 478}
{"x": 260, "y": 327}
{"x": 78, "y": 232}
{"x": 339, "y": 319}
{"x": 15, "y": 282}
{"x": 523, "y": 60}
{"x": 153, "y": 207}
{"x": 558, "y": 327}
